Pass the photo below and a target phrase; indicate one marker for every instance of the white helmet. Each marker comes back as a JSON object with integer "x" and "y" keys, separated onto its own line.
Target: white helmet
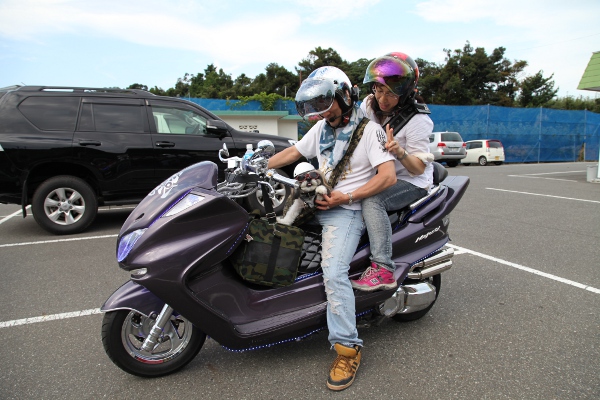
{"x": 303, "y": 168}
{"x": 317, "y": 92}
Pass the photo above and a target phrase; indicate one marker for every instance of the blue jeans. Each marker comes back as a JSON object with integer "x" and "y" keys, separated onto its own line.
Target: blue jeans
{"x": 374, "y": 211}
{"x": 342, "y": 230}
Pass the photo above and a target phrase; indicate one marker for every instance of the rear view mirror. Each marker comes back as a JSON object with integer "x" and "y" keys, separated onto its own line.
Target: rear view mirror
{"x": 265, "y": 148}
{"x": 216, "y": 125}
{"x": 224, "y": 153}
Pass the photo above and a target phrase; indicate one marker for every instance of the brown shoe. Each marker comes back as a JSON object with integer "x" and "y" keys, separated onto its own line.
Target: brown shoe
{"x": 343, "y": 370}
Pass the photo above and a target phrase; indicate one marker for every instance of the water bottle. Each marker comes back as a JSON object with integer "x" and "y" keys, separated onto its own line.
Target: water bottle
{"x": 247, "y": 155}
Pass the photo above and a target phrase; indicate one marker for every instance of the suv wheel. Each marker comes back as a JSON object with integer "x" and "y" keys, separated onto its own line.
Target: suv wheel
{"x": 452, "y": 164}
{"x": 482, "y": 161}
{"x": 64, "y": 205}
{"x": 255, "y": 201}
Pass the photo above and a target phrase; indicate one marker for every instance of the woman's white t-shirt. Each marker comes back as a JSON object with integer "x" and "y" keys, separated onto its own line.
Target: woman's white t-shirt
{"x": 414, "y": 138}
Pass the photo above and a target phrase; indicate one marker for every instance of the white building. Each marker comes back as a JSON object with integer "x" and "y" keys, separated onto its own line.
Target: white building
{"x": 279, "y": 123}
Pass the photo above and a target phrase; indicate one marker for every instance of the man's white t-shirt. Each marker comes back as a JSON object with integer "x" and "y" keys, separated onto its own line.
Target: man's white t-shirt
{"x": 414, "y": 138}
{"x": 368, "y": 154}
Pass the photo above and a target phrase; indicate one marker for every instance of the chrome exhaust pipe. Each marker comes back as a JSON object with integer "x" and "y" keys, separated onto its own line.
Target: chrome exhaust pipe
{"x": 430, "y": 271}
{"x": 408, "y": 299}
{"x": 444, "y": 254}
{"x": 418, "y": 296}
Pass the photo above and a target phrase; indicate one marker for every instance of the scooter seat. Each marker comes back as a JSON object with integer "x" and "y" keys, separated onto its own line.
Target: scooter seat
{"x": 310, "y": 259}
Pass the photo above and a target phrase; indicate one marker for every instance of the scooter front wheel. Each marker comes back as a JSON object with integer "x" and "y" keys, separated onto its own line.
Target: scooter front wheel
{"x": 124, "y": 331}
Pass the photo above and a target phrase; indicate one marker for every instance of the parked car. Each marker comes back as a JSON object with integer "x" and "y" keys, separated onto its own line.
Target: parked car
{"x": 68, "y": 150}
{"x": 447, "y": 147}
{"x": 483, "y": 152}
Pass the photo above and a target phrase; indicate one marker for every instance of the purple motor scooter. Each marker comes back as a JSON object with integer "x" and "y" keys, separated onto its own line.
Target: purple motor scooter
{"x": 177, "y": 242}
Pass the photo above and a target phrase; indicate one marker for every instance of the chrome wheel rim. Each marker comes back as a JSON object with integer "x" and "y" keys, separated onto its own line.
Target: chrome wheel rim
{"x": 173, "y": 340}
{"x": 64, "y": 206}
{"x": 280, "y": 192}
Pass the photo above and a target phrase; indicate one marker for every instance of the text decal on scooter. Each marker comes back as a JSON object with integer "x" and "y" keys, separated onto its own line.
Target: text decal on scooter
{"x": 425, "y": 236}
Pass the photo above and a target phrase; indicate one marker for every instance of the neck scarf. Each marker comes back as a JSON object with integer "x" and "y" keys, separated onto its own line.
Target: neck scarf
{"x": 334, "y": 142}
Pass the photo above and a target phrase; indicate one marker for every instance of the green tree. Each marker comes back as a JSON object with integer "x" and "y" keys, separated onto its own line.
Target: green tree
{"x": 429, "y": 84}
{"x": 138, "y": 86}
{"x": 213, "y": 84}
{"x": 242, "y": 86}
{"x": 320, "y": 57}
{"x": 158, "y": 91}
{"x": 470, "y": 77}
{"x": 276, "y": 79}
{"x": 574, "y": 103}
{"x": 182, "y": 87}
{"x": 356, "y": 73}
{"x": 537, "y": 90}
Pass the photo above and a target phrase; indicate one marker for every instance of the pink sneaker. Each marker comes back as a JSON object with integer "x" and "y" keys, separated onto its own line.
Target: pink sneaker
{"x": 375, "y": 278}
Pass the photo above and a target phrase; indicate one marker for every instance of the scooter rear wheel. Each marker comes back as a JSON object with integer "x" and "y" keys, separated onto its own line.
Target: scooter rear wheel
{"x": 124, "y": 331}
{"x": 436, "y": 281}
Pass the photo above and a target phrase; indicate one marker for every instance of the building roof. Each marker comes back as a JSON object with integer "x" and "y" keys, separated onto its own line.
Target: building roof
{"x": 591, "y": 77}
{"x": 278, "y": 114}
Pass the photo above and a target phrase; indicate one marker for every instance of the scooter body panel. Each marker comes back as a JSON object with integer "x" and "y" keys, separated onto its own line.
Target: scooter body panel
{"x": 186, "y": 258}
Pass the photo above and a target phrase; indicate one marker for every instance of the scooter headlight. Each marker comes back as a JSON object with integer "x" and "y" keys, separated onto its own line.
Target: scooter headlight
{"x": 127, "y": 242}
{"x": 183, "y": 204}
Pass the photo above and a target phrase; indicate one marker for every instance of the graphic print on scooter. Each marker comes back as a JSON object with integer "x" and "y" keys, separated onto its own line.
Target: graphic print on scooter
{"x": 183, "y": 286}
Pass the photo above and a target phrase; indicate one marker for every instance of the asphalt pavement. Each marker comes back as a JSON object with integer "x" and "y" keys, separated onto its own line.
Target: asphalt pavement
{"x": 517, "y": 316}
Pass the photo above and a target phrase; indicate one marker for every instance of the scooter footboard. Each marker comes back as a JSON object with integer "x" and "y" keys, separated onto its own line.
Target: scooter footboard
{"x": 132, "y": 296}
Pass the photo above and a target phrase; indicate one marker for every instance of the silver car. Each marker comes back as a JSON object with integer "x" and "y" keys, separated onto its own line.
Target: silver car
{"x": 447, "y": 147}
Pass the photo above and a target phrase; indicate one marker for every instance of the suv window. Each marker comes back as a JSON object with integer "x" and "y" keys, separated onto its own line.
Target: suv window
{"x": 494, "y": 144}
{"x": 450, "y": 137}
{"x": 431, "y": 138}
{"x": 474, "y": 145}
{"x": 112, "y": 118}
{"x": 51, "y": 113}
{"x": 178, "y": 121}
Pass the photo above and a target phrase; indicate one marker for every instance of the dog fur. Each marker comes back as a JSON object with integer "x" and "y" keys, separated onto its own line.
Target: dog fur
{"x": 305, "y": 196}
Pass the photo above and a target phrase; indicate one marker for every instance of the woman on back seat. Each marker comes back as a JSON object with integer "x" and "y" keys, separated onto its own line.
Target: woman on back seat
{"x": 392, "y": 104}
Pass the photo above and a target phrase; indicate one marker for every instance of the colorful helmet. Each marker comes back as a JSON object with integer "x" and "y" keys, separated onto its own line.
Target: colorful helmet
{"x": 397, "y": 71}
{"x": 317, "y": 92}
{"x": 409, "y": 60}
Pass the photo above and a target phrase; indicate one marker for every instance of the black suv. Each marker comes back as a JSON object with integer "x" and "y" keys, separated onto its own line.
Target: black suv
{"x": 67, "y": 151}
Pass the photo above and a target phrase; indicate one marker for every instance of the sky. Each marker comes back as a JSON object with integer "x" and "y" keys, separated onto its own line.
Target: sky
{"x": 108, "y": 43}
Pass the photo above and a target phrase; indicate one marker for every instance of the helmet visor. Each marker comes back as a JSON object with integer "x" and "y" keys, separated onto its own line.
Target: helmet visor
{"x": 395, "y": 74}
{"x": 314, "y": 97}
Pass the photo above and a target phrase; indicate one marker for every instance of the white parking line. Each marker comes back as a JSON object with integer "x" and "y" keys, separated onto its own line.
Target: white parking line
{"x": 56, "y": 241}
{"x": 458, "y": 250}
{"x": 527, "y": 269}
{"x": 33, "y": 320}
{"x": 8, "y": 217}
{"x": 544, "y": 195}
{"x": 550, "y": 173}
{"x": 535, "y": 176}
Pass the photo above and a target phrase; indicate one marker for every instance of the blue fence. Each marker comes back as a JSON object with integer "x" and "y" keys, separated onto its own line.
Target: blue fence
{"x": 528, "y": 134}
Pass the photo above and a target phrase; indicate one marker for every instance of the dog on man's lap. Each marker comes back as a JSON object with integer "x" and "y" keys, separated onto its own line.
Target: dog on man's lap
{"x": 313, "y": 185}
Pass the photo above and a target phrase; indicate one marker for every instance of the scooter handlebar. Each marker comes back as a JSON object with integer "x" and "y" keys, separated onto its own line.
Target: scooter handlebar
{"x": 282, "y": 179}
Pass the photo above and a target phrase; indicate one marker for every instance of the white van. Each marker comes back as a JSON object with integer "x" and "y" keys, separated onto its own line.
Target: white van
{"x": 483, "y": 152}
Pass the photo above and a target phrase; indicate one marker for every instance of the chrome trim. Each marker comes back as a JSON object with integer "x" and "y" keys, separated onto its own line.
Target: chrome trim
{"x": 152, "y": 340}
{"x": 417, "y": 203}
{"x": 393, "y": 305}
{"x": 430, "y": 271}
{"x": 441, "y": 255}
{"x": 417, "y": 297}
